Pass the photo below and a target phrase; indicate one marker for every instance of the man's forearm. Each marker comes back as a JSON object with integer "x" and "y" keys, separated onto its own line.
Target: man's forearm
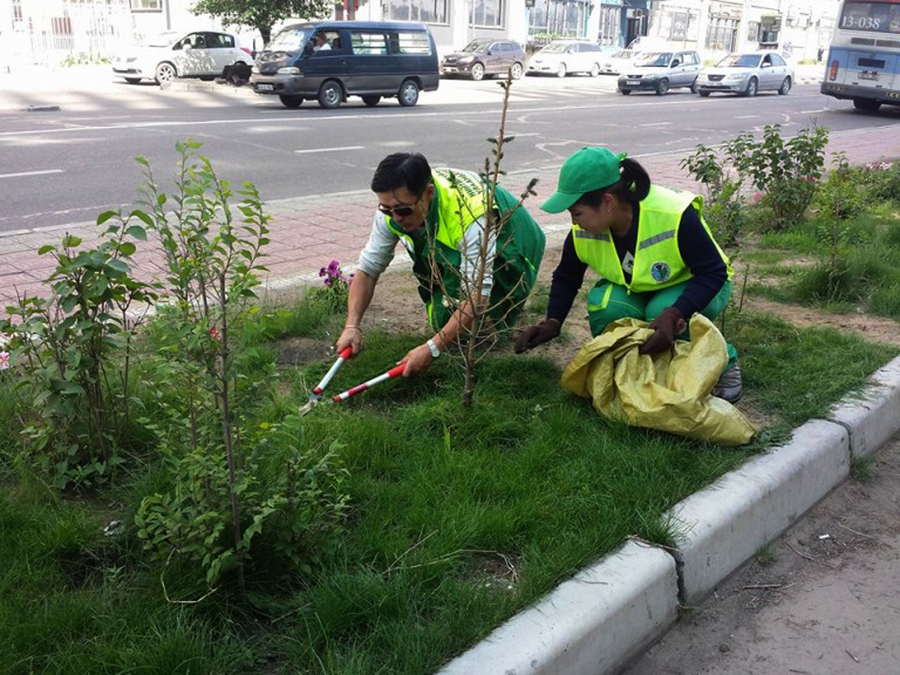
{"x": 460, "y": 322}
{"x": 362, "y": 288}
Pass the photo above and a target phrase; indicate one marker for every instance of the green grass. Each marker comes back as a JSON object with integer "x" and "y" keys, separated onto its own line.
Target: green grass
{"x": 459, "y": 519}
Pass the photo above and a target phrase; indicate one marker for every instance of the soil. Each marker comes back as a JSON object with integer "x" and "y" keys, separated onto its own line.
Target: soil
{"x": 823, "y": 599}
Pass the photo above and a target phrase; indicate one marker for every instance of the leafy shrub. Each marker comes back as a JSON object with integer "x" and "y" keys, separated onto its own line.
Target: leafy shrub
{"x": 786, "y": 173}
{"x": 724, "y": 204}
{"x": 291, "y": 501}
{"x": 73, "y": 354}
{"x": 882, "y": 180}
{"x": 839, "y": 196}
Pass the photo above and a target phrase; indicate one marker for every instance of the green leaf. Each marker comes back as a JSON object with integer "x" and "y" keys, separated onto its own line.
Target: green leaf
{"x": 137, "y": 232}
{"x": 142, "y": 216}
{"x": 106, "y": 215}
{"x": 45, "y": 249}
{"x": 127, "y": 248}
{"x": 71, "y": 241}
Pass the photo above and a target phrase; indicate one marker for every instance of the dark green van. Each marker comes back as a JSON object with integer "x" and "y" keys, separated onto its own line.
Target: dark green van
{"x": 329, "y": 61}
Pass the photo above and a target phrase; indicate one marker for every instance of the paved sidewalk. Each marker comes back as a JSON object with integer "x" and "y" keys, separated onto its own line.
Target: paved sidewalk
{"x": 309, "y": 232}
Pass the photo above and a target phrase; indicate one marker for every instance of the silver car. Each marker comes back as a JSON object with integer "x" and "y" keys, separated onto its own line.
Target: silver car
{"x": 660, "y": 71}
{"x": 564, "y": 57}
{"x": 747, "y": 74}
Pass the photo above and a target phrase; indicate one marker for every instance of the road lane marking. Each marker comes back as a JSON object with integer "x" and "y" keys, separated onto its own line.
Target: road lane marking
{"x": 656, "y": 124}
{"x": 29, "y": 173}
{"x": 347, "y": 147}
{"x": 746, "y": 117}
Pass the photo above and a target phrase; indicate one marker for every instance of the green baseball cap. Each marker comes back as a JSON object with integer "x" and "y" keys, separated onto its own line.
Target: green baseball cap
{"x": 587, "y": 170}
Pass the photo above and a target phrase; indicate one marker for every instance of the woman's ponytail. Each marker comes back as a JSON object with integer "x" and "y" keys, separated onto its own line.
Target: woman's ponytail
{"x": 635, "y": 183}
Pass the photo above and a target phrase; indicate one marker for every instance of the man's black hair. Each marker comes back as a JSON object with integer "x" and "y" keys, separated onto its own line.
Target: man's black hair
{"x": 402, "y": 169}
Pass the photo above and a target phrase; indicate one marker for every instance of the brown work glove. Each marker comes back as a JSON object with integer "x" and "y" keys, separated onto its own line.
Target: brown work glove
{"x": 541, "y": 332}
{"x": 667, "y": 325}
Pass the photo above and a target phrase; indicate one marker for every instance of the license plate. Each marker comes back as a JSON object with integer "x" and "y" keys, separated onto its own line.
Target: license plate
{"x": 866, "y": 75}
{"x": 632, "y": 82}
{"x": 265, "y": 87}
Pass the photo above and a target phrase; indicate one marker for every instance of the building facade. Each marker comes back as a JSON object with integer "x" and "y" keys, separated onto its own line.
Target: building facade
{"x": 52, "y": 31}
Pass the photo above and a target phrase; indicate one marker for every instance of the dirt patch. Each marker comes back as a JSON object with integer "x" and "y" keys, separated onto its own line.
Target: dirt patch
{"x": 823, "y": 599}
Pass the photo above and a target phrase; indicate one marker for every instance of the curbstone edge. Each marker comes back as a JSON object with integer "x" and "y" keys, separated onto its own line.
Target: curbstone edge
{"x": 873, "y": 418}
{"x": 591, "y": 624}
{"x": 744, "y": 510}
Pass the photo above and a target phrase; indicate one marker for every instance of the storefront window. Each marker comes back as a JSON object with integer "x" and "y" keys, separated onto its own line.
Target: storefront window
{"x": 487, "y": 13}
{"x": 558, "y": 18}
{"x": 426, "y": 11}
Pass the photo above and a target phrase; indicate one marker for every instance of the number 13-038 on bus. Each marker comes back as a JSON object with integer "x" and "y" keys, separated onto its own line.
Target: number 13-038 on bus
{"x": 864, "y": 58}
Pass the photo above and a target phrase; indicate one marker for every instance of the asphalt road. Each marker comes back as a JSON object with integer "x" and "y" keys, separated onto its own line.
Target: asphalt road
{"x": 67, "y": 165}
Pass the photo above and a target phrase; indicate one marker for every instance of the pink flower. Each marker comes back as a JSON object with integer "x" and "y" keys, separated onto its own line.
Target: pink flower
{"x": 4, "y": 360}
{"x": 214, "y": 334}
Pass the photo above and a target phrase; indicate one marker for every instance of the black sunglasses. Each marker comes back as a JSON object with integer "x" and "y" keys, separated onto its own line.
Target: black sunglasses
{"x": 402, "y": 210}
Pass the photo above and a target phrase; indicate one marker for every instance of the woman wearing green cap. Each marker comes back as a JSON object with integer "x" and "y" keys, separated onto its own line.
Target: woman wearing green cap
{"x": 655, "y": 255}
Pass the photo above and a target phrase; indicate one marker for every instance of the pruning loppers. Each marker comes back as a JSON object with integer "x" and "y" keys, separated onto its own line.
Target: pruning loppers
{"x": 396, "y": 371}
{"x": 316, "y": 394}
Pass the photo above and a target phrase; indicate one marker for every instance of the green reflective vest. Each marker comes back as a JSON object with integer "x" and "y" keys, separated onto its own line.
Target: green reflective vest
{"x": 434, "y": 250}
{"x": 657, "y": 260}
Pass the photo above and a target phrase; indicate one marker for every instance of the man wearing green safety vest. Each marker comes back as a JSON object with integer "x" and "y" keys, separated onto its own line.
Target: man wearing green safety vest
{"x": 439, "y": 216}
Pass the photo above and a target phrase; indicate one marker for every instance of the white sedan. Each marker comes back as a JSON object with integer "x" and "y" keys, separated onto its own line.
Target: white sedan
{"x": 203, "y": 54}
{"x": 747, "y": 74}
{"x": 563, "y": 57}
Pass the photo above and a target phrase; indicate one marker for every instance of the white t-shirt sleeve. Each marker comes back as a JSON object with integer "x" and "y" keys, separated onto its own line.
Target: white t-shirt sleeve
{"x": 470, "y": 248}
{"x": 379, "y": 250}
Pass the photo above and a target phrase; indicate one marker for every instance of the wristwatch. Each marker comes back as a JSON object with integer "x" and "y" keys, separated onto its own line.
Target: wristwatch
{"x": 433, "y": 348}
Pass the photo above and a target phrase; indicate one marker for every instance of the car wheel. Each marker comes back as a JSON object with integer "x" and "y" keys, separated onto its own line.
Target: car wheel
{"x": 866, "y": 104}
{"x": 704, "y": 94}
{"x": 785, "y": 86}
{"x": 207, "y": 78}
{"x": 477, "y": 72}
{"x": 561, "y": 70}
{"x": 663, "y": 87}
{"x": 165, "y": 73}
{"x": 694, "y": 86}
{"x": 624, "y": 92}
{"x": 371, "y": 100}
{"x": 595, "y": 70}
{"x": 330, "y": 94}
{"x": 133, "y": 80}
{"x": 752, "y": 87}
{"x": 291, "y": 101}
{"x": 409, "y": 93}
{"x": 516, "y": 71}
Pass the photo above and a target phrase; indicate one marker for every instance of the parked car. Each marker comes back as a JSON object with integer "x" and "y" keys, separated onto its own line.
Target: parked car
{"x": 204, "y": 54}
{"x": 747, "y": 74}
{"x": 615, "y": 63}
{"x": 329, "y": 61}
{"x": 486, "y": 56}
{"x": 660, "y": 72}
{"x": 563, "y": 57}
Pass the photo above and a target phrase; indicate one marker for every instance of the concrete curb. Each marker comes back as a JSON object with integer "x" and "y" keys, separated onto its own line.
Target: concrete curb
{"x": 873, "y": 418}
{"x": 726, "y": 523}
{"x": 583, "y": 630}
{"x": 593, "y": 623}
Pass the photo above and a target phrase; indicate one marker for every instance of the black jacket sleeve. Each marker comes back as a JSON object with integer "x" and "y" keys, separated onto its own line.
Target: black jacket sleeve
{"x": 700, "y": 254}
{"x": 567, "y": 279}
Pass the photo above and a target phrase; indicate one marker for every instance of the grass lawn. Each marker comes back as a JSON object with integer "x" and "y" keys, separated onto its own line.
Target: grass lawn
{"x": 458, "y": 518}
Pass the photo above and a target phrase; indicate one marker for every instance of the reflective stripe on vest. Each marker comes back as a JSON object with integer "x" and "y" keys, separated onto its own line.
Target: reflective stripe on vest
{"x": 657, "y": 260}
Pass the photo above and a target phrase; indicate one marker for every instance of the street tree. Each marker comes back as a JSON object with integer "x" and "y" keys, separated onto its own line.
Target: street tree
{"x": 261, "y": 14}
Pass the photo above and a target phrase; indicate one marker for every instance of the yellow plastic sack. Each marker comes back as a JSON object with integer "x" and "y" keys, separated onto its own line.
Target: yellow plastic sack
{"x": 669, "y": 391}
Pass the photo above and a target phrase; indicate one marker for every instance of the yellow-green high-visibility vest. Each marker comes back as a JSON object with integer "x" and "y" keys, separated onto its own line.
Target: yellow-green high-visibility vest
{"x": 657, "y": 260}
{"x": 458, "y": 202}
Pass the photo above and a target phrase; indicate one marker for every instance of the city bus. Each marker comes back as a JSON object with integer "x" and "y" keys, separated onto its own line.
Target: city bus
{"x": 864, "y": 58}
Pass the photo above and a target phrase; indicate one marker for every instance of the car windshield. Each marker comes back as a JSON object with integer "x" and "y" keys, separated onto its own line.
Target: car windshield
{"x": 556, "y": 48}
{"x": 162, "y": 39}
{"x": 622, "y": 54}
{"x": 654, "y": 59}
{"x": 740, "y": 61}
{"x": 477, "y": 46}
{"x": 291, "y": 39}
